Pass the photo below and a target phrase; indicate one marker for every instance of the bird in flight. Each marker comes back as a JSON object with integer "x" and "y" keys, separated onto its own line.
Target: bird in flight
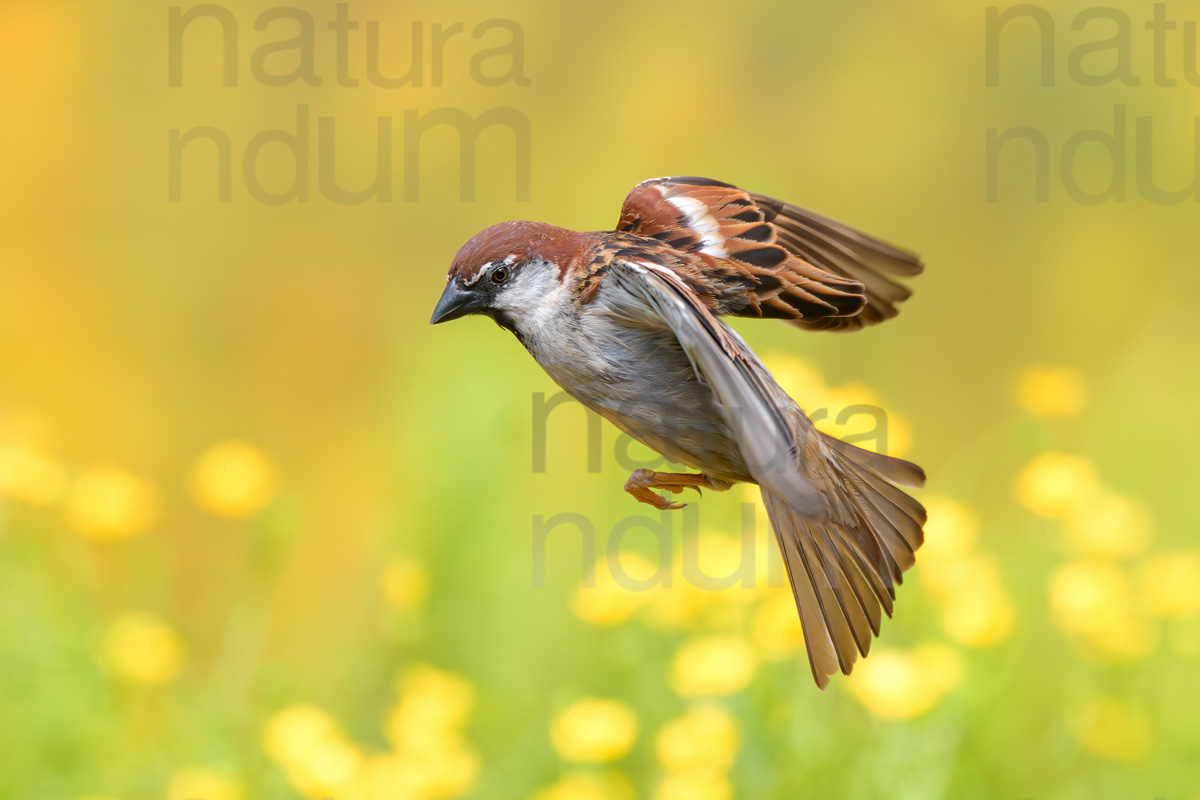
{"x": 628, "y": 323}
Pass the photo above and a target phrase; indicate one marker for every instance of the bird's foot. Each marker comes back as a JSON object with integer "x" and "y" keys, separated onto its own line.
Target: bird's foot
{"x": 643, "y": 481}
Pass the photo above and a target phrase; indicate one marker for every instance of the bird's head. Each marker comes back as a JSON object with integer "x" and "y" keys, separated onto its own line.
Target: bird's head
{"x": 511, "y": 272}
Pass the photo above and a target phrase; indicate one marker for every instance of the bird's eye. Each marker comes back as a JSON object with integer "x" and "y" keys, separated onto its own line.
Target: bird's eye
{"x": 500, "y": 274}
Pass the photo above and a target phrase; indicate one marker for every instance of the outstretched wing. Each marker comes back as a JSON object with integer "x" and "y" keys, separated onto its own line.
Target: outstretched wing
{"x": 844, "y": 550}
{"x": 650, "y": 294}
{"x": 800, "y": 266}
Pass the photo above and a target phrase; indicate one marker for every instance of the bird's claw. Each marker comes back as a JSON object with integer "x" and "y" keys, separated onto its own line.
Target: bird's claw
{"x": 643, "y": 481}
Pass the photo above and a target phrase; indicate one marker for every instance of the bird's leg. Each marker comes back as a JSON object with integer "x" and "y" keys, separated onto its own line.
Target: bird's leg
{"x": 643, "y": 481}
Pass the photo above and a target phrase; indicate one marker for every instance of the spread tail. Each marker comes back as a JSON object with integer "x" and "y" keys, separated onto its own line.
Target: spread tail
{"x": 844, "y": 566}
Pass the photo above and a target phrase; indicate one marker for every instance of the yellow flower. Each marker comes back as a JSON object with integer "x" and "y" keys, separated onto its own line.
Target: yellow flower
{"x": 405, "y": 583}
{"x": 949, "y": 578}
{"x": 894, "y": 684}
{"x": 141, "y": 649}
{"x": 887, "y": 432}
{"x": 1107, "y": 728}
{"x": 28, "y": 475}
{"x": 721, "y": 566}
{"x": 1109, "y": 526}
{"x": 702, "y": 740}
{"x": 1170, "y": 584}
{"x": 776, "y": 629}
{"x": 109, "y": 503}
{"x": 1051, "y": 392}
{"x": 1086, "y": 595}
{"x": 828, "y": 404}
{"x": 899, "y": 435}
{"x": 687, "y": 786}
{"x": 294, "y": 732}
{"x": 310, "y": 748}
{"x": 799, "y": 378}
{"x": 1126, "y": 636}
{"x": 838, "y": 414}
{"x": 432, "y": 709}
{"x": 588, "y": 786}
{"x": 1092, "y": 599}
{"x": 680, "y": 605}
{"x": 752, "y": 494}
{"x": 233, "y": 479}
{"x": 387, "y": 777}
{"x": 593, "y": 730}
{"x": 571, "y": 788}
{"x": 980, "y": 618}
{"x": 976, "y": 609}
{"x": 699, "y": 594}
{"x": 1055, "y": 484}
{"x": 331, "y": 767}
{"x": 203, "y": 784}
{"x": 951, "y": 530}
{"x": 715, "y": 665}
{"x": 447, "y": 770}
{"x": 614, "y": 597}
{"x": 853, "y": 394}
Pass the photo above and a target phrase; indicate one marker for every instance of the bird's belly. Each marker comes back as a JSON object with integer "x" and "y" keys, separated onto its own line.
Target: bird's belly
{"x": 701, "y": 440}
{"x": 645, "y": 385}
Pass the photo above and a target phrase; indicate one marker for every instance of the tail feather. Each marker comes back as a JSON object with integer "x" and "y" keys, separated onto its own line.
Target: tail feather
{"x": 896, "y": 470}
{"x": 833, "y": 610}
{"x": 844, "y": 566}
{"x": 894, "y": 506}
{"x": 881, "y": 583}
{"x": 850, "y": 597}
{"x": 823, "y": 655}
{"x": 865, "y": 589}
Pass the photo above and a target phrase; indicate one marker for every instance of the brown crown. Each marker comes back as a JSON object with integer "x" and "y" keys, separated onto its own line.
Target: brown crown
{"x": 523, "y": 240}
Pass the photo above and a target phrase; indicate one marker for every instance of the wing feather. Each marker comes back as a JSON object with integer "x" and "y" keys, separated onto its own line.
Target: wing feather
{"x": 725, "y": 363}
{"x": 800, "y": 266}
{"x": 845, "y": 548}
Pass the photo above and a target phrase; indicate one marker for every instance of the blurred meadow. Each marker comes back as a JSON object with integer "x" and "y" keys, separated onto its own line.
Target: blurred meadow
{"x": 265, "y": 533}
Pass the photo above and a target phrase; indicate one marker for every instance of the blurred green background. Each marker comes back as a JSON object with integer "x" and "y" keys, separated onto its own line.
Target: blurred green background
{"x": 264, "y": 533}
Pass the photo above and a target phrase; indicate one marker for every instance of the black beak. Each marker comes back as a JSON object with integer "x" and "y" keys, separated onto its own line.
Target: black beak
{"x": 456, "y": 302}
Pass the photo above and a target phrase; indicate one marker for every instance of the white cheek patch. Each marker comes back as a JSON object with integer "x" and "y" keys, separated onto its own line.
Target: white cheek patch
{"x": 699, "y": 220}
{"x": 534, "y": 297}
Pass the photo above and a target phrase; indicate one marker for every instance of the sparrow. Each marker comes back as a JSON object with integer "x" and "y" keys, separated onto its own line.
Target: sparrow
{"x": 628, "y": 322}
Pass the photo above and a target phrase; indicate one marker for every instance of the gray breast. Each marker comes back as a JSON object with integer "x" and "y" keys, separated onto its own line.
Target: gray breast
{"x": 638, "y": 377}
